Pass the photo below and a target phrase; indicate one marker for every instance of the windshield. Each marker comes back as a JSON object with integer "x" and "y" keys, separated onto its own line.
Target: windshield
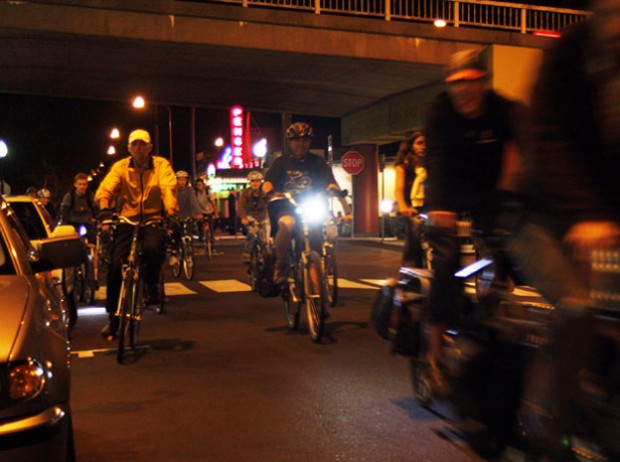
{"x": 6, "y": 264}
{"x": 30, "y": 219}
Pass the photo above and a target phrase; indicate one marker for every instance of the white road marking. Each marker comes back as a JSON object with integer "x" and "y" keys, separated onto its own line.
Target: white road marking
{"x": 177, "y": 288}
{"x": 346, "y": 284}
{"x": 377, "y": 282}
{"x": 227, "y": 285}
{"x": 91, "y": 353}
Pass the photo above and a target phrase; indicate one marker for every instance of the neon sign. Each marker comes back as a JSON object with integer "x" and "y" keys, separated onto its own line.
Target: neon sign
{"x": 236, "y": 132}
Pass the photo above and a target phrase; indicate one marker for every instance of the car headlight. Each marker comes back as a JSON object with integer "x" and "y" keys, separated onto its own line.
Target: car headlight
{"x": 26, "y": 380}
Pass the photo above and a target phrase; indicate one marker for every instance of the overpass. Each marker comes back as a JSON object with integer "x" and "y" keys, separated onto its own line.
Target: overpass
{"x": 372, "y": 63}
{"x": 369, "y": 62}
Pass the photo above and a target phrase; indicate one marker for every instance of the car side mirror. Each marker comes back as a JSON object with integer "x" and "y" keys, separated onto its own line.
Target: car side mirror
{"x": 59, "y": 252}
{"x": 63, "y": 231}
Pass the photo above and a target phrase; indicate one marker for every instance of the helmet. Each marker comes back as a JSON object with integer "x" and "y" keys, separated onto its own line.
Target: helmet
{"x": 31, "y": 190}
{"x": 255, "y": 175}
{"x": 44, "y": 193}
{"x": 299, "y": 130}
{"x": 182, "y": 174}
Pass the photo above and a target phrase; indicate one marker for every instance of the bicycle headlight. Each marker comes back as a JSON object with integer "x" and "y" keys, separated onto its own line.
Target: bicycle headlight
{"x": 82, "y": 231}
{"x": 314, "y": 210}
{"x": 26, "y": 380}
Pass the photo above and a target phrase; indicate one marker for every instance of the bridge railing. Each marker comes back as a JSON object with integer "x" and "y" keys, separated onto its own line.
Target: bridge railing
{"x": 515, "y": 17}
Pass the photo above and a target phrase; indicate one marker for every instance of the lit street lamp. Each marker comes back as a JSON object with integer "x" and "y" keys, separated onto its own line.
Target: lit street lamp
{"x": 140, "y": 103}
{"x": 4, "y": 151}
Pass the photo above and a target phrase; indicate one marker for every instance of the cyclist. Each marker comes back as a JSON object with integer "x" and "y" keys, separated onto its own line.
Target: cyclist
{"x": 300, "y": 173}
{"x": 78, "y": 207}
{"x": 188, "y": 205}
{"x": 145, "y": 186}
{"x": 252, "y": 210}
{"x": 208, "y": 209}
{"x": 471, "y": 149}
{"x": 410, "y": 177}
{"x": 31, "y": 191}
{"x": 44, "y": 195}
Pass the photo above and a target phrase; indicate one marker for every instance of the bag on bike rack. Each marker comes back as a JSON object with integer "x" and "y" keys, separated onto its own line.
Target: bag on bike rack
{"x": 382, "y": 309}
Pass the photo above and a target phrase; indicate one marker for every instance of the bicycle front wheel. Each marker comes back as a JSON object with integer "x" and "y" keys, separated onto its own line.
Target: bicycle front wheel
{"x": 291, "y": 295}
{"x": 89, "y": 286}
{"x": 137, "y": 309}
{"x": 124, "y": 314}
{"x": 330, "y": 273}
{"x": 315, "y": 295}
{"x": 188, "y": 260}
{"x": 174, "y": 261}
{"x": 161, "y": 288}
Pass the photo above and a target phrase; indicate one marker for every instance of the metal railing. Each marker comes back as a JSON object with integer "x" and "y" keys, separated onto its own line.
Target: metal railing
{"x": 514, "y": 17}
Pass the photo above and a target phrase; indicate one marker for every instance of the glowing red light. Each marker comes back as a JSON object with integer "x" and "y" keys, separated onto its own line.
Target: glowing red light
{"x": 547, "y": 33}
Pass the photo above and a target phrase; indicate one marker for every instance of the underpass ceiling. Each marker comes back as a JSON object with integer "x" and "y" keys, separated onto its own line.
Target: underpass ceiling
{"x": 59, "y": 64}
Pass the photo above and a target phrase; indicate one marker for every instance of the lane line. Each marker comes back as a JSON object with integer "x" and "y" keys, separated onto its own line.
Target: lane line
{"x": 227, "y": 285}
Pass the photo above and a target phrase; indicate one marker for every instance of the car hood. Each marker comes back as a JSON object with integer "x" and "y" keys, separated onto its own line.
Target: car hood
{"x": 13, "y": 296}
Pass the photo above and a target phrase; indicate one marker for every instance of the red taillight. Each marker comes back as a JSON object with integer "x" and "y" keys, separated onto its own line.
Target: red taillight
{"x": 546, "y": 33}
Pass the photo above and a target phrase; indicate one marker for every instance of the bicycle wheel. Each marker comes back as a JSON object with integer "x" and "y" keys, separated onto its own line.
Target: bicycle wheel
{"x": 330, "y": 273}
{"x": 188, "y": 259}
{"x": 89, "y": 286}
{"x": 159, "y": 309}
{"x": 124, "y": 312}
{"x": 315, "y": 295}
{"x": 291, "y": 295}
{"x": 208, "y": 242}
{"x": 174, "y": 260}
{"x": 253, "y": 267}
{"x": 78, "y": 284}
{"x": 138, "y": 304}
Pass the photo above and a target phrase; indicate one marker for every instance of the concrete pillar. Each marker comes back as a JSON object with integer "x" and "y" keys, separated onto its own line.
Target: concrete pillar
{"x": 366, "y": 192}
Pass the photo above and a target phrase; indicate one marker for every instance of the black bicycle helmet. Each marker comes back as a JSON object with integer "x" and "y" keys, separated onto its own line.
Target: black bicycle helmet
{"x": 299, "y": 130}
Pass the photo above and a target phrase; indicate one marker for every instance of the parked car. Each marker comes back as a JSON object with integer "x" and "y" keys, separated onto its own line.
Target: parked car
{"x": 35, "y": 379}
{"x": 39, "y": 225}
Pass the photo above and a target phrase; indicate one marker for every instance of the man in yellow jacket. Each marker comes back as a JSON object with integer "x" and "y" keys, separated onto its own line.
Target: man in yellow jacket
{"x": 143, "y": 187}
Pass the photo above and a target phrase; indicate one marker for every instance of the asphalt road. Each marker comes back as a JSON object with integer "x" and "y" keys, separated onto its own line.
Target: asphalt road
{"x": 220, "y": 378}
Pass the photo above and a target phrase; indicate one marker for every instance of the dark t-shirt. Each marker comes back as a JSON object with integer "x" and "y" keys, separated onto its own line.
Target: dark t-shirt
{"x": 78, "y": 209}
{"x": 310, "y": 174}
{"x": 464, "y": 156}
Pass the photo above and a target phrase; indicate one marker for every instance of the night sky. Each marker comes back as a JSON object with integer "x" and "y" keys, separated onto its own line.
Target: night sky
{"x": 52, "y": 139}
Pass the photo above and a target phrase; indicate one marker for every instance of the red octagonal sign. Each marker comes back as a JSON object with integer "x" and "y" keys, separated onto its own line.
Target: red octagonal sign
{"x": 352, "y": 162}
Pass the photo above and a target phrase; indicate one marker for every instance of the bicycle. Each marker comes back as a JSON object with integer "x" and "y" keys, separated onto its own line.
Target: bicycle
{"x": 328, "y": 259}
{"x": 306, "y": 283}
{"x": 261, "y": 251}
{"x": 86, "y": 275}
{"x": 186, "y": 254}
{"x": 132, "y": 298}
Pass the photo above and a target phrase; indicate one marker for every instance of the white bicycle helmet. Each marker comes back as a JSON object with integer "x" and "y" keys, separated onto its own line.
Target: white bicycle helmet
{"x": 182, "y": 174}
{"x": 44, "y": 193}
{"x": 255, "y": 175}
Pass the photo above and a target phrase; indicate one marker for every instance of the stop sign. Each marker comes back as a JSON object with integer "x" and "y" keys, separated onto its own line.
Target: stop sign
{"x": 352, "y": 162}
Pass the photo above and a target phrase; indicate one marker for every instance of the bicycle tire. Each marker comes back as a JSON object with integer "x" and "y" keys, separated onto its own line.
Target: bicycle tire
{"x": 78, "y": 284}
{"x": 159, "y": 309}
{"x": 137, "y": 309}
{"x": 253, "y": 268}
{"x": 176, "y": 267}
{"x": 89, "y": 285}
{"x": 315, "y": 295}
{"x": 124, "y": 303}
{"x": 188, "y": 260}
{"x": 330, "y": 273}
{"x": 292, "y": 308}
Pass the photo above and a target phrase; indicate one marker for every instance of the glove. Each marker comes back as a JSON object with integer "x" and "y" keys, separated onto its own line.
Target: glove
{"x": 105, "y": 215}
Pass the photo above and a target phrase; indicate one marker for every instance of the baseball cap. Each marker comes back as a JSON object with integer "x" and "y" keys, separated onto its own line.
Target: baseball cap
{"x": 141, "y": 135}
{"x": 465, "y": 65}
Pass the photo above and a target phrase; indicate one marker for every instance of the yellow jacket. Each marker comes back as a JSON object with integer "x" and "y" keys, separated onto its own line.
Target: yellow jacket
{"x": 141, "y": 194}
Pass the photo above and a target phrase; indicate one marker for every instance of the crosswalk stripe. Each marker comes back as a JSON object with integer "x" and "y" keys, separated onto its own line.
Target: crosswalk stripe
{"x": 234, "y": 285}
{"x": 377, "y": 282}
{"x": 346, "y": 284}
{"x": 227, "y": 285}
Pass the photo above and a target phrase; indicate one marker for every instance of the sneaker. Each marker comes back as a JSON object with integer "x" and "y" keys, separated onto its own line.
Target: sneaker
{"x": 110, "y": 330}
{"x": 437, "y": 381}
{"x": 152, "y": 294}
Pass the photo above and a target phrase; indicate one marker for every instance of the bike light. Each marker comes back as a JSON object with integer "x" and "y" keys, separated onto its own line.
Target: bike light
{"x": 82, "y": 231}
{"x": 314, "y": 210}
{"x": 26, "y": 380}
